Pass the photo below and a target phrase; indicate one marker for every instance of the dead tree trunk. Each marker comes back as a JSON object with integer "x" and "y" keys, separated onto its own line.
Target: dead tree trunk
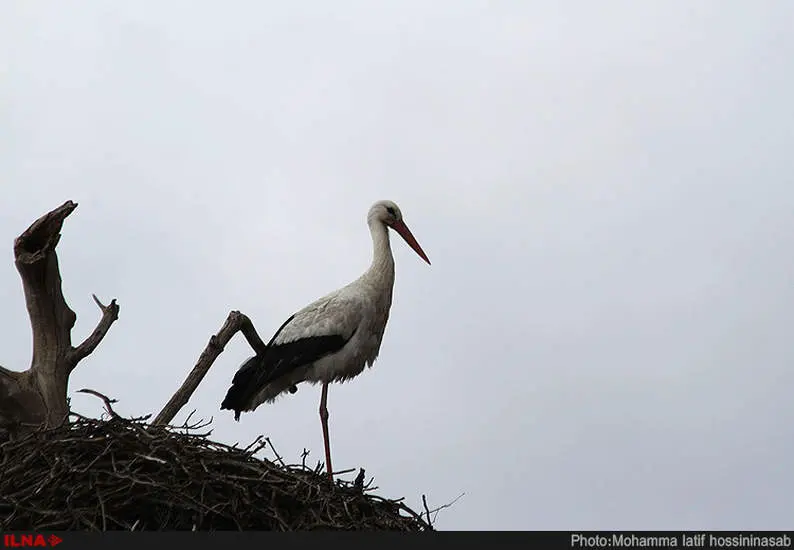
{"x": 37, "y": 398}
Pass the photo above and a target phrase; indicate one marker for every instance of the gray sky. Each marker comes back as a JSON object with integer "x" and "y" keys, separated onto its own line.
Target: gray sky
{"x": 604, "y": 189}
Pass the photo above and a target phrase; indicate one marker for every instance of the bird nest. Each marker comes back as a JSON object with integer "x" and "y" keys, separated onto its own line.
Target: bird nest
{"x": 124, "y": 474}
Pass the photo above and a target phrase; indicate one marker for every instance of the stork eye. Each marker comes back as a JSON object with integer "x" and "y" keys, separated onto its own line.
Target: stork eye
{"x": 391, "y": 211}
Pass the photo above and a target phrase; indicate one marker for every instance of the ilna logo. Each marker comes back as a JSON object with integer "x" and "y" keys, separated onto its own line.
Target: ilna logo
{"x": 23, "y": 541}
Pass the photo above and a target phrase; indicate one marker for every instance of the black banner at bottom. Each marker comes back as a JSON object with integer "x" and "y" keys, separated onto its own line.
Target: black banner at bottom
{"x": 365, "y": 540}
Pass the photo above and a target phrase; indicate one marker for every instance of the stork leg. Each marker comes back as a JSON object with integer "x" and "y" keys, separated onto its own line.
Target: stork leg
{"x": 324, "y": 421}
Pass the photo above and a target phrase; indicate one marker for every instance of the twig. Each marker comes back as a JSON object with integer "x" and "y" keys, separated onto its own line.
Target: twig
{"x": 427, "y": 510}
{"x": 235, "y": 322}
{"x": 435, "y": 511}
{"x": 248, "y": 330}
{"x": 254, "y": 444}
{"x": 104, "y": 398}
{"x": 102, "y": 507}
{"x": 110, "y": 313}
{"x": 358, "y": 484}
{"x": 275, "y": 452}
{"x": 304, "y": 454}
{"x": 262, "y": 445}
{"x": 198, "y": 425}
{"x": 187, "y": 420}
{"x": 152, "y": 458}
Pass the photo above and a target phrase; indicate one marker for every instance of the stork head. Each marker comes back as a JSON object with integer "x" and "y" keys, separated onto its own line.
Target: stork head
{"x": 388, "y": 213}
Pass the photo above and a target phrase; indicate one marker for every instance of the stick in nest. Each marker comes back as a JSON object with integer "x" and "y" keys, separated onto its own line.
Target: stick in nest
{"x": 275, "y": 452}
{"x": 435, "y": 511}
{"x": 104, "y": 398}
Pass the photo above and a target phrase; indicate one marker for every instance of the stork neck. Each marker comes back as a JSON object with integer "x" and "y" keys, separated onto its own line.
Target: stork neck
{"x": 382, "y": 259}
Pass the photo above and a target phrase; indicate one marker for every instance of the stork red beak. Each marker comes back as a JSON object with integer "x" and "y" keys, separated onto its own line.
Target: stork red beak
{"x": 400, "y": 227}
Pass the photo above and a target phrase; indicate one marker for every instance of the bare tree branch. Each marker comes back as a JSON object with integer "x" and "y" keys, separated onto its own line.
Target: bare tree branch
{"x": 235, "y": 322}
{"x": 427, "y": 510}
{"x": 358, "y": 483}
{"x": 248, "y": 330}
{"x": 435, "y": 511}
{"x": 275, "y": 452}
{"x": 107, "y": 400}
{"x": 110, "y": 313}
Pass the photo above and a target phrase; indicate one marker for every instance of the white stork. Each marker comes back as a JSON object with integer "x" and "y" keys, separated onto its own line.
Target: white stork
{"x": 331, "y": 339}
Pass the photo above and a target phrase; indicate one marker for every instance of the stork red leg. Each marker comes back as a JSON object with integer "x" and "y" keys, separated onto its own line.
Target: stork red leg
{"x": 324, "y": 420}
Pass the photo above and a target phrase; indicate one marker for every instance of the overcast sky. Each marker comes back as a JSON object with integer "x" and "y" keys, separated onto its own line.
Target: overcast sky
{"x": 604, "y": 188}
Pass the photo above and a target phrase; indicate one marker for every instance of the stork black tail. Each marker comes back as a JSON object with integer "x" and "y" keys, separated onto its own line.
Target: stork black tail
{"x": 244, "y": 386}
{"x": 239, "y": 394}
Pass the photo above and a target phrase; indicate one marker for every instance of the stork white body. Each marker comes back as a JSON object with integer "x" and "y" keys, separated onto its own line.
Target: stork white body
{"x": 358, "y": 313}
{"x": 332, "y": 339}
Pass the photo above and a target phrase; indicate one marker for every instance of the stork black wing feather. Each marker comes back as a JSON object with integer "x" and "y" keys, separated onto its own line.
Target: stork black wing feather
{"x": 283, "y": 358}
{"x": 278, "y": 360}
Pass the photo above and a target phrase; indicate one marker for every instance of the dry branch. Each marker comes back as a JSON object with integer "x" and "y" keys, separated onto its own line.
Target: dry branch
{"x": 436, "y": 510}
{"x": 235, "y": 322}
{"x": 38, "y": 397}
{"x": 110, "y": 313}
{"x": 105, "y": 399}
